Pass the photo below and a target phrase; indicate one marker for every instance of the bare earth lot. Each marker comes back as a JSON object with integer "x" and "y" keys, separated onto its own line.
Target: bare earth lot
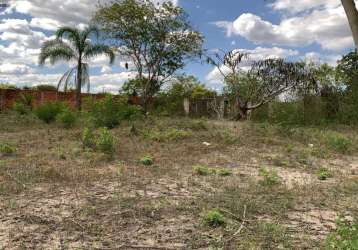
{"x": 56, "y": 195}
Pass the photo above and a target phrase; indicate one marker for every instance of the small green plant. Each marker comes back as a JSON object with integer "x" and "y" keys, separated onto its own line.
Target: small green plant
{"x": 88, "y": 138}
{"x": 48, "y": 112}
{"x": 324, "y": 174}
{"x": 345, "y": 237}
{"x": 20, "y": 108}
{"x": 147, "y": 160}
{"x": 202, "y": 170}
{"x": 270, "y": 177}
{"x": 105, "y": 141}
{"x": 105, "y": 112}
{"x": 214, "y": 218}
{"x": 223, "y": 172}
{"x": 339, "y": 143}
{"x": 67, "y": 118}
{"x": 7, "y": 149}
{"x": 130, "y": 112}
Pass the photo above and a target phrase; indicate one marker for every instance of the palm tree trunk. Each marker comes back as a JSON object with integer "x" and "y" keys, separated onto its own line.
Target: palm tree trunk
{"x": 352, "y": 14}
{"x": 79, "y": 85}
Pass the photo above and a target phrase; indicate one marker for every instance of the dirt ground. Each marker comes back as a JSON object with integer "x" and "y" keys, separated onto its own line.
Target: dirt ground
{"x": 56, "y": 195}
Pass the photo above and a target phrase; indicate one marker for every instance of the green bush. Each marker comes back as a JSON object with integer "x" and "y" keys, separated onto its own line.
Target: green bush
{"x": 202, "y": 170}
{"x": 214, "y": 218}
{"x": 270, "y": 177}
{"x": 339, "y": 143}
{"x": 48, "y": 112}
{"x": 105, "y": 141}
{"x": 23, "y": 104}
{"x": 324, "y": 174}
{"x": 20, "y": 108}
{"x": 147, "y": 160}
{"x": 105, "y": 112}
{"x": 88, "y": 138}
{"x": 7, "y": 149}
{"x": 67, "y": 117}
{"x": 129, "y": 112}
{"x": 345, "y": 236}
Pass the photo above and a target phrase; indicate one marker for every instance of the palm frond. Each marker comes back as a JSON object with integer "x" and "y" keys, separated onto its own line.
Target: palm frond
{"x": 99, "y": 49}
{"x": 88, "y": 31}
{"x": 72, "y": 34}
{"x": 85, "y": 77}
{"x": 56, "y": 50}
{"x": 66, "y": 79}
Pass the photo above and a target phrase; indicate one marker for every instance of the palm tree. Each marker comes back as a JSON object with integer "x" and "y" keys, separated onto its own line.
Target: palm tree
{"x": 352, "y": 14}
{"x": 72, "y": 44}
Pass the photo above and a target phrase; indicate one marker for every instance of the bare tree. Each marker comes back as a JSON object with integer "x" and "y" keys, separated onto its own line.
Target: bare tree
{"x": 262, "y": 83}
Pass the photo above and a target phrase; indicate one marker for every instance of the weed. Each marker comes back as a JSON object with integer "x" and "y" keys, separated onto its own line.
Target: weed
{"x": 20, "y": 108}
{"x": 147, "y": 160}
{"x": 270, "y": 177}
{"x": 345, "y": 237}
{"x": 105, "y": 112}
{"x": 223, "y": 172}
{"x": 214, "y": 218}
{"x": 7, "y": 149}
{"x": 47, "y": 112}
{"x": 130, "y": 112}
{"x": 105, "y": 141}
{"x": 324, "y": 174}
{"x": 202, "y": 170}
{"x": 67, "y": 118}
{"x": 339, "y": 143}
{"x": 88, "y": 138}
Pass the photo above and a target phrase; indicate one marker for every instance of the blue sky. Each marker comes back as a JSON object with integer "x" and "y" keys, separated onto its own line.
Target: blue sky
{"x": 296, "y": 30}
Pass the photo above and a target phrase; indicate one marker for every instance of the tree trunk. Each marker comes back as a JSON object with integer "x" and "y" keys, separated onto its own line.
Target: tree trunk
{"x": 79, "y": 85}
{"x": 352, "y": 15}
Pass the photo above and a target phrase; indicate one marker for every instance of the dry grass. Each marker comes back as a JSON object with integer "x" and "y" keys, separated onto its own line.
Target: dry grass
{"x": 56, "y": 195}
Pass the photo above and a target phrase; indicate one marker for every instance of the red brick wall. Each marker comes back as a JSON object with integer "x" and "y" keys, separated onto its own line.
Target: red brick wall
{"x": 9, "y": 96}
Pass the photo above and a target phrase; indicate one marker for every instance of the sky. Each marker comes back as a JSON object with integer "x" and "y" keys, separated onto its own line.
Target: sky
{"x": 315, "y": 30}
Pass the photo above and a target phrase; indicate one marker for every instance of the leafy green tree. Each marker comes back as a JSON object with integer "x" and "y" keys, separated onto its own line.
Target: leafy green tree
{"x": 157, "y": 39}
{"x": 72, "y": 44}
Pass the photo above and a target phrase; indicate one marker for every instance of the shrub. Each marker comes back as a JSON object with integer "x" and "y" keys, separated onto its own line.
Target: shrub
{"x": 214, "y": 218}
{"x": 129, "y": 112}
{"x": 20, "y": 108}
{"x": 48, "y": 112}
{"x": 67, "y": 117}
{"x": 339, "y": 143}
{"x": 270, "y": 177}
{"x": 345, "y": 237}
{"x": 223, "y": 172}
{"x": 324, "y": 174}
{"x": 45, "y": 87}
{"x": 202, "y": 170}
{"x": 105, "y": 112}
{"x": 105, "y": 141}
{"x": 88, "y": 138}
{"x": 147, "y": 160}
{"x": 7, "y": 149}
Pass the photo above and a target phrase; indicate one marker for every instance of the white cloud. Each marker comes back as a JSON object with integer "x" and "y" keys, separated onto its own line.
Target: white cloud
{"x": 327, "y": 26}
{"x": 259, "y": 53}
{"x": 294, "y": 6}
{"x": 10, "y": 69}
{"x": 45, "y": 23}
{"x": 320, "y": 59}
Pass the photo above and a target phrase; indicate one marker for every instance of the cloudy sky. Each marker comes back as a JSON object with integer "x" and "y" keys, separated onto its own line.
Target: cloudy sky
{"x": 296, "y": 30}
